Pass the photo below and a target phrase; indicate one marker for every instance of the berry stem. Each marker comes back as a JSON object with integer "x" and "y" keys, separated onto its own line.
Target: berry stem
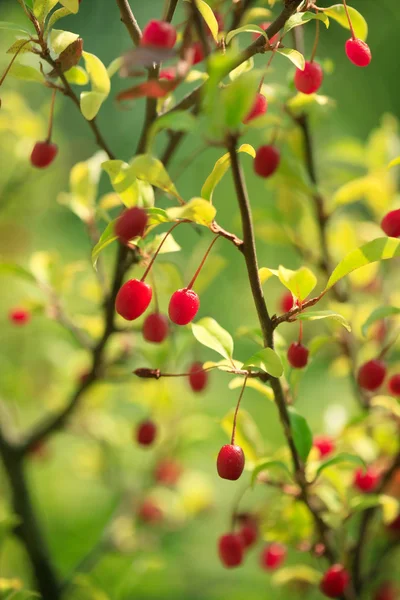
{"x": 237, "y": 410}
{"x": 160, "y": 246}
{"x": 300, "y": 322}
{"x": 153, "y": 285}
{"x": 12, "y": 62}
{"x": 388, "y": 346}
{"x": 314, "y": 50}
{"x": 191, "y": 284}
{"x": 51, "y": 116}
{"x": 353, "y": 35}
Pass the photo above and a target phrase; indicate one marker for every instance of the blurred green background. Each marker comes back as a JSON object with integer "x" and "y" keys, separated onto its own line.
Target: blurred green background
{"x": 94, "y": 465}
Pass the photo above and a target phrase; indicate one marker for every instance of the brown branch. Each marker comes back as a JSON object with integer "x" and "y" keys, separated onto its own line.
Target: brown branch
{"x": 128, "y": 19}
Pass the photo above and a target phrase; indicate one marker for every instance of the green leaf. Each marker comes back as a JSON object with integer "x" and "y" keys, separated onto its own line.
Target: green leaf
{"x": 255, "y": 384}
{"x": 394, "y": 163}
{"x": 379, "y": 249}
{"x": 247, "y": 435}
{"x": 41, "y": 8}
{"x": 266, "y": 465}
{"x": 340, "y": 458}
{"x": 316, "y": 315}
{"x": 72, "y": 5}
{"x": 123, "y": 180}
{"x": 76, "y": 75}
{"x": 209, "y": 333}
{"x": 208, "y": 15}
{"x": 60, "y": 40}
{"x": 390, "y": 508}
{"x": 360, "y": 503}
{"x": 220, "y": 168}
{"x": 377, "y": 315}
{"x": 170, "y": 244}
{"x": 107, "y": 237}
{"x": 267, "y": 360}
{"x": 115, "y": 66}
{"x": 17, "y": 270}
{"x": 237, "y": 99}
{"x": 300, "y": 282}
{"x": 8, "y": 26}
{"x": 352, "y": 191}
{"x": 26, "y": 73}
{"x": 245, "y": 29}
{"x": 302, "y": 436}
{"x": 294, "y": 56}
{"x": 178, "y": 120}
{"x": 56, "y": 16}
{"x": 157, "y": 216}
{"x": 101, "y": 85}
{"x": 21, "y": 46}
{"x": 197, "y": 210}
{"x": 150, "y": 169}
{"x": 302, "y": 18}
{"x": 338, "y": 13}
{"x": 297, "y": 573}
{"x": 83, "y": 183}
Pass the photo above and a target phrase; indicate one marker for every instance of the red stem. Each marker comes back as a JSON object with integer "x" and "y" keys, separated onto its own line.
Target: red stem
{"x": 191, "y": 284}
{"x": 349, "y": 20}
{"x": 53, "y": 99}
{"x": 236, "y": 411}
{"x": 159, "y": 248}
{"x": 314, "y": 50}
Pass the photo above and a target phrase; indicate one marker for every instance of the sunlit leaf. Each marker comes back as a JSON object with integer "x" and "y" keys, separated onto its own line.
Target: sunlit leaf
{"x": 390, "y": 508}
{"x": 247, "y": 435}
{"x": 301, "y": 282}
{"x": 26, "y": 73}
{"x": 294, "y": 56}
{"x": 302, "y": 18}
{"x": 377, "y": 315}
{"x": 157, "y": 216}
{"x": 170, "y": 244}
{"x": 297, "y": 573}
{"x": 60, "y": 40}
{"x": 56, "y": 16}
{"x": 338, "y": 13}
{"x": 41, "y": 8}
{"x": 17, "y": 270}
{"x": 8, "y": 26}
{"x": 220, "y": 168}
{"x": 267, "y": 465}
{"x": 209, "y": 333}
{"x": 394, "y": 163}
{"x": 107, "y": 237}
{"x": 197, "y": 210}
{"x": 77, "y": 75}
{"x": 100, "y": 82}
{"x": 237, "y": 99}
{"x": 150, "y": 169}
{"x": 341, "y": 458}
{"x": 178, "y": 120}
{"x": 267, "y": 360}
{"x": 316, "y": 315}
{"x": 208, "y": 15}
{"x": 245, "y": 29}
{"x": 123, "y": 179}
{"x": 388, "y": 403}
{"x": 72, "y": 5}
{"x": 302, "y": 436}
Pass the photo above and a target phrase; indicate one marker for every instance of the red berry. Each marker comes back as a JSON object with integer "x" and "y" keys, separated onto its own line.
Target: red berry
{"x": 132, "y": 299}
{"x": 266, "y": 161}
{"x": 167, "y": 73}
{"x": 287, "y": 302}
{"x": 146, "y": 433}
{"x": 310, "y": 80}
{"x": 394, "y": 526}
{"x": 324, "y": 444}
{"x": 159, "y": 33}
{"x": 297, "y": 355}
{"x": 19, "y": 316}
{"x": 258, "y": 109}
{"x": 230, "y": 550}
{"x": 230, "y": 462}
{"x": 387, "y": 591}
{"x": 335, "y": 581}
{"x": 358, "y": 52}
{"x": 150, "y": 512}
{"x": 366, "y": 480}
{"x": 198, "y": 53}
{"x": 273, "y": 556}
{"x": 155, "y": 328}
{"x": 248, "y": 531}
{"x": 198, "y": 377}
{"x": 183, "y": 306}
{"x": 265, "y": 27}
{"x": 371, "y": 375}
{"x": 167, "y": 472}
{"x": 43, "y": 154}
{"x": 391, "y": 223}
{"x": 132, "y": 223}
{"x": 394, "y": 385}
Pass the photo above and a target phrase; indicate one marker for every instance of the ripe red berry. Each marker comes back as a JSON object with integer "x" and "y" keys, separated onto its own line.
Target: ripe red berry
{"x": 335, "y": 581}
{"x": 371, "y": 375}
{"x": 150, "y": 512}
{"x": 19, "y": 316}
{"x": 167, "y": 472}
{"x": 230, "y": 462}
{"x": 198, "y": 52}
{"x": 159, "y": 33}
{"x": 358, "y": 52}
{"x": 132, "y": 223}
{"x": 43, "y": 154}
{"x": 366, "y": 480}
{"x": 258, "y": 109}
{"x": 132, "y": 299}
{"x": 391, "y": 223}
{"x": 265, "y": 27}
{"x": 266, "y": 161}
{"x": 183, "y": 306}
{"x": 197, "y": 377}
{"x": 297, "y": 355}
{"x": 394, "y": 385}
{"x": 287, "y": 302}
{"x": 167, "y": 73}
{"x": 146, "y": 433}
{"x": 324, "y": 444}
{"x": 387, "y": 591}
{"x": 230, "y": 550}
{"x": 155, "y": 328}
{"x": 273, "y": 556}
{"x": 310, "y": 80}
{"x": 248, "y": 531}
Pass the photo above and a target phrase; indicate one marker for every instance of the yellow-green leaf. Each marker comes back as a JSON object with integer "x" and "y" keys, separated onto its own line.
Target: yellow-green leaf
{"x": 255, "y": 384}
{"x": 77, "y": 75}
{"x": 72, "y": 5}
{"x": 388, "y": 403}
{"x": 58, "y": 14}
{"x": 123, "y": 180}
{"x": 297, "y": 573}
{"x": 301, "y": 432}
{"x": 377, "y": 315}
{"x": 266, "y": 465}
{"x": 41, "y": 8}
{"x": 150, "y": 169}
{"x": 301, "y": 282}
{"x": 107, "y": 237}
{"x": 220, "y": 168}
{"x": 390, "y": 508}
{"x": 209, "y": 333}
{"x": 302, "y": 18}
{"x": 316, "y": 315}
{"x": 26, "y": 73}
{"x": 208, "y": 15}
{"x": 340, "y": 458}
{"x": 178, "y": 120}
{"x": 101, "y": 85}
{"x": 197, "y": 209}
{"x": 245, "y": 29}
{"x": 294, "y": 56}
{"x": 338, "y": 13}
{"x": 60, "y": 40}
{"x": 394, "y": 163}
{"x": 267, "y": 360}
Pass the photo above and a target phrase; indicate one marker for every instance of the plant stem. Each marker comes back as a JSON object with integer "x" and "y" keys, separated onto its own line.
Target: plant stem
{"x": 237, "y": 410}
{"x": 349, "y": 19}
{"x": 159, "y": 248}
{"x": 191, "y": 284}
{"x": 51, "y": 116}
{"x": 2, "y": 78}
{"x": 317, "y": 31}
{"x": 128, "y": 19}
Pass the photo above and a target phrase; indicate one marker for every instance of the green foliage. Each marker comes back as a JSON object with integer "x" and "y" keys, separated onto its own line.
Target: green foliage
{"x": 100, "y": 84}
{"x": 267, "y": 360}
{"x": 338, "y": 13}
{"x": 209, "y": 333}
{"x": 301, "y": 432}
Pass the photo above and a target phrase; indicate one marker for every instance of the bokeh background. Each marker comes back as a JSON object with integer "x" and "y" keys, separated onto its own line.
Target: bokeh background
{"x": 87, "y": 471}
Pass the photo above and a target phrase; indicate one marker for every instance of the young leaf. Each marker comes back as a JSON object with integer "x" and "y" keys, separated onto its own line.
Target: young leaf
{"x": 197, "y": 210}
{"x": 178, "y": 120}
{"x": 379, "y": 249}
{"x": 26, "y": 73}
{"x": 150, "y": 169}
{"x": 41, "y": 8}
{"x": 267, "y": 360}
{"x": 123, "y": 179}
{"x": 338, "y": 13}
{"x": 245, "y": 29}
{"x": 107, "y": 237}
{"x": 209, "y": 333}
{"x": 377, "y": 315}
{"x": 56, "y": 16}
{"x": 72, "y": 5}
{"x": 208, "y": 15}
{"x": 77, "y": 76}
{"x": 302, "y": 436}
{"x": 220, "y": 168}
{"x": 101, "y": 85}
{"x": 294, "y": 56}
{"x": 297, "y": 574}
{"x": 237, "y": 99}
{"x": 266, "y": 465}
{"x": 390, "y": 508}
{"x": 157, "y": 216}
{"x": 316, "y": 315}
{"x": 247, "y": 436}
{"x": 60, "y": 40}
{"x": 302, "y": 18}
{"x": 8, "y": 26}
{"x": 301, "y": 282}
{"x": 340, "y": 458}
{"x": 170, "y": 244}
